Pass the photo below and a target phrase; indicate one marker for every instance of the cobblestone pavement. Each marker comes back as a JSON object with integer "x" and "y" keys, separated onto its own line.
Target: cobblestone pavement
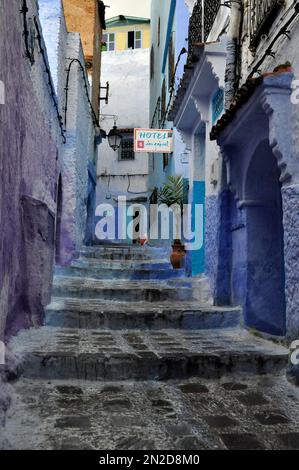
{"x": 229, "y": 413}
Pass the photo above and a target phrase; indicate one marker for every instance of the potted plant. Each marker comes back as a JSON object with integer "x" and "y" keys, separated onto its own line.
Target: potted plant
{"x": 172, "y": 194}
{"x": 286, "y": 67}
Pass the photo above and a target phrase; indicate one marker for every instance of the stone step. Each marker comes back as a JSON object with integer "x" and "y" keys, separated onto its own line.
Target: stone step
{"x": 109, "y": 253}
{"x": 120, "y": 256}
{"x": 96, "y": 271}
{"x": 129, "y": 291}
{"x": 123, "y": 249}
{"x": 53, "y": 353}
{"x": 93, "y": 314}
{"x": 158, "y": 264}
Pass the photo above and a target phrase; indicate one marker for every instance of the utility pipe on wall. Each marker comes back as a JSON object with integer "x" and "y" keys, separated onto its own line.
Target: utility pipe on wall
{"x": 233, "y": 48}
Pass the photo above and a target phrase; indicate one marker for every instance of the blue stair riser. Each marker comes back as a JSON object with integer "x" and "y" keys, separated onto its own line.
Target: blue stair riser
{"x": 134, "y": 275}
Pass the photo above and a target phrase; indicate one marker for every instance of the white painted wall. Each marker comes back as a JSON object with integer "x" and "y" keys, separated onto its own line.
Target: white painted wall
{"x": 158, "y": 174}
{"x": 79, "y": 147}
{"x": 78, "y": 150}
{"x": 190, "y": 5}
{"x": 128, "y": 76}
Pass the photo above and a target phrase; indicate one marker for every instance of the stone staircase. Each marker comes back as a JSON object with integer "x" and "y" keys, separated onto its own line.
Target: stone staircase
{"x": 123, "y": 313}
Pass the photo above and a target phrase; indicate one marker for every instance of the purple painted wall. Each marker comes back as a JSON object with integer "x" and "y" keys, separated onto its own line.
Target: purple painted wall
{"x": 28, "y": 174}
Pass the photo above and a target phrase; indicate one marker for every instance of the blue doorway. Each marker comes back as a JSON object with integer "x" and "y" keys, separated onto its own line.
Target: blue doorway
{"x": 264, "y": 307}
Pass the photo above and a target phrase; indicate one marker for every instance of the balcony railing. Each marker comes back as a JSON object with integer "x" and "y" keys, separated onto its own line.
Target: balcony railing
{"x": 201, "y": 22}
{"x": 211, "y": 8}
{"x": 261, "y": 16}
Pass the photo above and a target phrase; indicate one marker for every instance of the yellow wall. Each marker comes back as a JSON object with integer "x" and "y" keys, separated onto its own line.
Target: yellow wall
{"x": 121, "y": 33}
{"x": 80, "y": 18}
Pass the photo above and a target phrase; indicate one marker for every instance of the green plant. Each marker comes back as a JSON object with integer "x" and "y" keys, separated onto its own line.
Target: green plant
{"x": 172, "y": 195}
{"x": 172, "y": 192}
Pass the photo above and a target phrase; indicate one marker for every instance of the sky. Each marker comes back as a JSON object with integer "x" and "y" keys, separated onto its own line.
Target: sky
{"x": 128, "y": 7}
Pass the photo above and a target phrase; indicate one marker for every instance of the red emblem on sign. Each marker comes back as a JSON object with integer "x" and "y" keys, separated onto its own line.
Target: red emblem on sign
{"x": 140, "y": 144}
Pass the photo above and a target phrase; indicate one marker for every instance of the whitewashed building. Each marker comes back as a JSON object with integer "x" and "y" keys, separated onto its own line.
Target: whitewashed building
{"x": 122, "y": 172}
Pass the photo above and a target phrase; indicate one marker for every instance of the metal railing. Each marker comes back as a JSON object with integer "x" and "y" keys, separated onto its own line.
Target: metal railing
{"x": 211, "y": 8}
{"x": 195, "y": 28}
{"x": 201, "y": 22}
{"x": 262, "y": 13}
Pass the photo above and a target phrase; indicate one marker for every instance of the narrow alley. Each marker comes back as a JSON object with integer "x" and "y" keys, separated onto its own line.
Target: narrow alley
{"x": 160, "y": 368}
{"x": 149, "y": 205}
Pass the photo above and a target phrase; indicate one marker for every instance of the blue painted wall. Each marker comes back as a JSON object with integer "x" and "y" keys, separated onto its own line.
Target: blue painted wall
{"x": 222, "y": 292}
{"x": 212, "y": 222}
{"x": 195, "y": 259}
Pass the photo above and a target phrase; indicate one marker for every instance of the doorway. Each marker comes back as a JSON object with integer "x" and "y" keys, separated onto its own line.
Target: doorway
{"x": 58, "y": 222}
{"x": 265, "y": 279}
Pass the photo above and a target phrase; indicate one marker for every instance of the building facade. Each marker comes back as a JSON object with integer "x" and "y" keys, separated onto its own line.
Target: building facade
{"x": 78, "y": 103}
{"x": 198, "y": 103}
{"x": 169, "y": 43}
{"x": 126, "y": 32}
{"x": 263, "y": 177}
{"x": 124, "y": 172}
{"x": 48, "y": 138}
{"x": 236, "y": 114}
{"x": 88, "y": 18}
{"x": 31, "y": 139}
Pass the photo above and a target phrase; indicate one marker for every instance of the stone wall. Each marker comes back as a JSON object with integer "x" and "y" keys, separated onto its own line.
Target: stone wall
{"x": 5, "y": 401}
{"x": 290, "y": 196}
{"x": 34, "y": 156}
{"x": 211, "y": 239}
{"x": 284, "y": 49}
{"x": 79, "y": 152}
{"x": 79, "y": 149}
{"x": 30, "y": 142}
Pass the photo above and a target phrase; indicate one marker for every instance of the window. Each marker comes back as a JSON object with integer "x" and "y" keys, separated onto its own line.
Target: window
{"x": 108, "y": 42}
{"x": 134, "y": 40}
{"x": 126, "y": 151}
{"x": 138, "y": 40}
{"x": 217, "y": 105}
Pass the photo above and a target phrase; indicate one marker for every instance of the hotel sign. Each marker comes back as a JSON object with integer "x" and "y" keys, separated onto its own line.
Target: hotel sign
{"x": 153, "y": 140}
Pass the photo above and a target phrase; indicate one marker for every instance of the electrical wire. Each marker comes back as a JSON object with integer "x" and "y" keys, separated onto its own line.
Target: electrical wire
{"x": 48, "y": 72}
{"x": 172, "y": 88}
{"x": 157, "y": 109}
{"x": 282, "y": 32}
{"x": 72, "y": 61}
{"x": 24, "y": 10}
{"x": 129, "y": 184}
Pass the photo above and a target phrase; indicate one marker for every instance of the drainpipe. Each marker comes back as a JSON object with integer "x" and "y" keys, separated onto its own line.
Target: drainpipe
{"x": 233, "y": 49}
